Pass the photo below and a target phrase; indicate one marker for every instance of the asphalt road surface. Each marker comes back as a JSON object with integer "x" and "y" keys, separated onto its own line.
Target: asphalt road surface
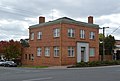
{"x": 79, "y": 74}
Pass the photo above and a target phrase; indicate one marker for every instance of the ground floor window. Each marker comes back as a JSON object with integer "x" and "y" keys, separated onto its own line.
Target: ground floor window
{"x": 56, "y": 51}
{"x": 31, "y": 57}
{"x": 39, "y": 51}
{"x": 26, "y": 56}
{"x": 92, "y": 52}
{"x": 47, "y": 51}
{"x": 71, "y": 51}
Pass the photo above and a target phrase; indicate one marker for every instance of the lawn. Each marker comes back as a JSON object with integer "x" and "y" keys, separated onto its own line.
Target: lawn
{"x": 34, "y": 66}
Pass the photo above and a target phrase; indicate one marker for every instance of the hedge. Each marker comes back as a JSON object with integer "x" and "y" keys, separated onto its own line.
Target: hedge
{"x": 97, "y": 63}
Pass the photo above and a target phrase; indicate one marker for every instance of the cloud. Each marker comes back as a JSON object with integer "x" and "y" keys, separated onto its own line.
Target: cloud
{"x": 111, "y": 21}
{"x": 69, "y": 7}
{"x": 16, "y": 16}
{"x": 13, "y": 29}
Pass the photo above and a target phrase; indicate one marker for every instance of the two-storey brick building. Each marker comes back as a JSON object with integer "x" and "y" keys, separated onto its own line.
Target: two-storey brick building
{"x": 62, "y": 42}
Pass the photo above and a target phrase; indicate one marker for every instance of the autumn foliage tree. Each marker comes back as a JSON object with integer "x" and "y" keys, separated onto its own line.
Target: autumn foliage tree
{"x": 2, "y": 45}
{"x": 11, "y": 49}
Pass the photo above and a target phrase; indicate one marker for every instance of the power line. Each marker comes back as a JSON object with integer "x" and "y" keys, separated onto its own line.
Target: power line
{"x": 16, "y": 11}
{"x": 115, "y": 30}
{"x": 3, "y": 9}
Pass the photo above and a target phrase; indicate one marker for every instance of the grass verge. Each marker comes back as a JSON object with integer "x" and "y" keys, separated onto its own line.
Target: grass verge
{"x": 37, "y": 67}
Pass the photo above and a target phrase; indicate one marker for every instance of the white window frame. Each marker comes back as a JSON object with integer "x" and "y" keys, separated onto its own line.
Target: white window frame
{"x": 39, "y": 35}
{"x": 92, "y": 52}
{"x": 92, "y": 35}
{"x": 47, "y": 51}
{"x": 82, "y": 34}
{"x": 32, "y": 56}
{"x": 56, "y": 32}
{"x": 71, "y": 32}
{"x": 39, "y": 51}
{"x": 56, "y": 51}
{"x": 71, "y": 51}
{"x": 32, "y": 36}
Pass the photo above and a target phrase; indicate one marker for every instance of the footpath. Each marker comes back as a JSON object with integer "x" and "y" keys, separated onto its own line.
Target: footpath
{"x": 65, "y": 67}
{"x": 57, "y": 67}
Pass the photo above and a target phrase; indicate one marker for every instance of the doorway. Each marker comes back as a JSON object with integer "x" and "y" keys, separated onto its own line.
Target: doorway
{"x": 82, "y": 52}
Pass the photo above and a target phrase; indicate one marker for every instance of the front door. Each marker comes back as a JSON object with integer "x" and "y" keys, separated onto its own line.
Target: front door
{"x": 82, "y": 52}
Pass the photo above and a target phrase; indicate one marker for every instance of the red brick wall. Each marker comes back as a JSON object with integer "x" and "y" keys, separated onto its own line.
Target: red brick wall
{"x": 47, "y": 40}
{"x": 73, "y": 42}
{"x": 50, "y": 41}
{"x": 107, "y": 57}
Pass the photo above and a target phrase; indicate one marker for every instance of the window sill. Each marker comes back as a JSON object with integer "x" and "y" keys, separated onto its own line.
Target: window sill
{"x": 92, "y": 39}
{"x": 56, "y": 56}
{"x": 71, "y": 56}
{"x": 71, "y": 37}
{"x": 47, "y": 56}
{"x": 56, "y": 37}
{"x": 38, "y": 56}
{"x": 82, "y": 38}
{"x": 92, "y": 56}
{"x": 39, "y": 39}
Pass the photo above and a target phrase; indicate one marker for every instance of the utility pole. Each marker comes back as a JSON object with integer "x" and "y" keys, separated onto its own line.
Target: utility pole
{"x": 103, "y": 56}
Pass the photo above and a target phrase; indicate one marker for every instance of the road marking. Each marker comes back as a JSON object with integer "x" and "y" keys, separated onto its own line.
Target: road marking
{"x": 38, "y": 79}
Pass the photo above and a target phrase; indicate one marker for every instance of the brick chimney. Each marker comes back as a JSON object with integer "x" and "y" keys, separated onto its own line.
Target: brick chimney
{"x": 90, "y": 19}
{"x": 41, "y": 19}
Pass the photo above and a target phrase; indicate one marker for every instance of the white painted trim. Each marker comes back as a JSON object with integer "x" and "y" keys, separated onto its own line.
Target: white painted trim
{"x": 79, "y": 45}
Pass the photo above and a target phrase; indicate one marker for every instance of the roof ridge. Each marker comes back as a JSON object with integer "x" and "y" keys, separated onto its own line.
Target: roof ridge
{"x": 65, "y": 20}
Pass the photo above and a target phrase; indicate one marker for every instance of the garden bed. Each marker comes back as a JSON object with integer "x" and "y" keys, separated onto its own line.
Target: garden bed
{"x": 96, "y": 63}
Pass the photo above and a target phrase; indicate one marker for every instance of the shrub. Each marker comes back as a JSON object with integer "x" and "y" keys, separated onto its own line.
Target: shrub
{"x": 97, "y": 63}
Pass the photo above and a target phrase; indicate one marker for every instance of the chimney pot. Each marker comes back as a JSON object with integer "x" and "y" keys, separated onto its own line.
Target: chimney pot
{"x": 90, "y": 19}
{"x": 41, "y": 19}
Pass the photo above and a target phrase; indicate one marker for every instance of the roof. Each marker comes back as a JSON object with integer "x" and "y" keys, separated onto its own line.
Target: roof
{"x": 65, "y": 20}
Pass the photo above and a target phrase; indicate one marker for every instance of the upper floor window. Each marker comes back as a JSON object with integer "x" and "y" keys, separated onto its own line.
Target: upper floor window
{"x": 39, "y": 51}
{"x": 57, "y": 32}
{"x": 47, "y": 51}
{"x": 39, "y": 35}
{"x": 32, "y": 36}
{"x": 71, "y": 51}
{"x": 82, "y": 34}
{"x": 92, "y": 35}
{"x": 56, "y": 51}
{"x": 71, "y": 32}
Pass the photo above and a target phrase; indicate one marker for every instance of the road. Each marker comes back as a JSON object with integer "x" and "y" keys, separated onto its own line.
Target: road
{"x": 79, "y": 74}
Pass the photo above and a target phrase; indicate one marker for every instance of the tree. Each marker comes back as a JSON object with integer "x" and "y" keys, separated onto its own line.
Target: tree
{"x": 2, "y": 45}
{"x": 13, "y": 50}
{"x": 2, "y": 50}
{"x": 24, "y": 42}
{"x": 109, "y": 44}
